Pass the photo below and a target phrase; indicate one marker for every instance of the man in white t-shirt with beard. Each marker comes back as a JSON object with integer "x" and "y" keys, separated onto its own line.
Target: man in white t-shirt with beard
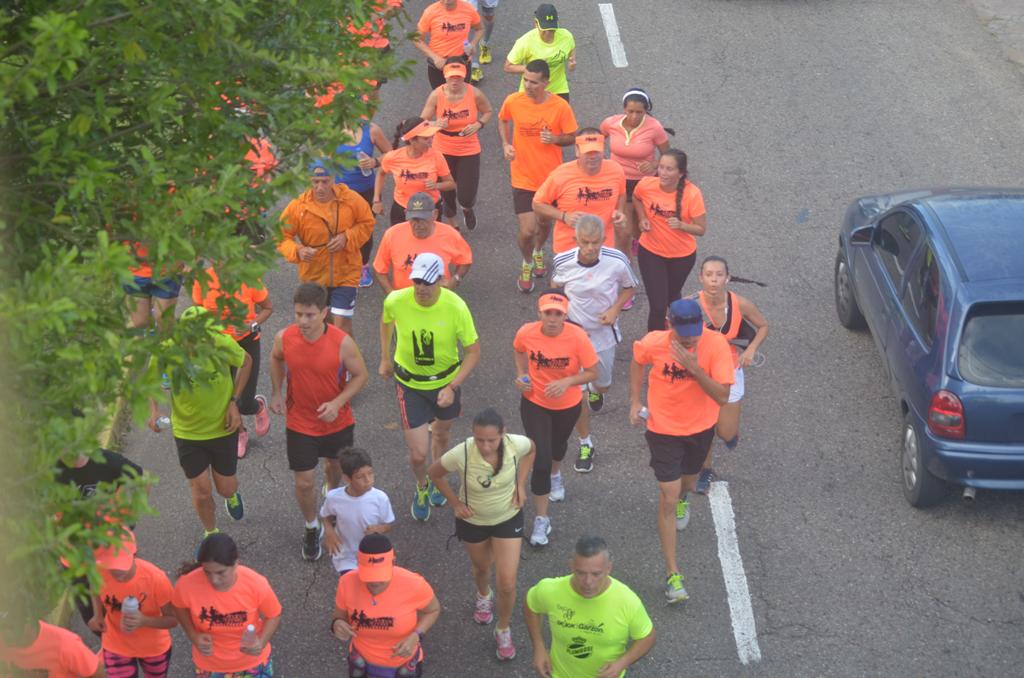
{"x": 598, "y": 282}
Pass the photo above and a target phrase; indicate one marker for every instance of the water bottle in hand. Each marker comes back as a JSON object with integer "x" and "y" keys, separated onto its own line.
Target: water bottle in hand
{"x": 163, "y": 423}
{"x": 366, "y": 172}
{"x": 249, "y": 637}
{"x": 129, "y": 610}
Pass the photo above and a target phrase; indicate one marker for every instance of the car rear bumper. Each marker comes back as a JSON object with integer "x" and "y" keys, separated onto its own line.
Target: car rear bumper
{"x": 986, "y": 466}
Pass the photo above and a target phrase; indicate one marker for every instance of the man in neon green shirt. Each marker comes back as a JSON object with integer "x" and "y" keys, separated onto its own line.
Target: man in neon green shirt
{"x": 428, "y": 322}
{"x": 599, "y": 627}
{"x": 205, "y": 419}
{"x": 550, "y": 43}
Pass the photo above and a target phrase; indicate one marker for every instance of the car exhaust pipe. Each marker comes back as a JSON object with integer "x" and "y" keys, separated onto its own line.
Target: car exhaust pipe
{"x": 969, "y": 495}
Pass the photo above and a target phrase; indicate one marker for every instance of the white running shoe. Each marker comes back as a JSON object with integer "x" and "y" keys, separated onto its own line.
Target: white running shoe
{"x": 557, "y": 489}
{"x": 541, "y": 530}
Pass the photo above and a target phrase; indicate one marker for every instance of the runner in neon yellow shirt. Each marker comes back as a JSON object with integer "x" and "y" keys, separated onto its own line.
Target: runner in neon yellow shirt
{"x": 428, "y": 323}
{"x": 599, "y": 627}
{"x": 550, "y": 43}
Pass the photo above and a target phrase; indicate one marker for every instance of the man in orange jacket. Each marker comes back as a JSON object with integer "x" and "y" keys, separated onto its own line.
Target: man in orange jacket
{"x": 322, "y": 232}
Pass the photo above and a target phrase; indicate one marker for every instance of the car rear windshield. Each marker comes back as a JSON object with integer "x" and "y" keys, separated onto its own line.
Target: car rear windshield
{"x": 992, "y": 348}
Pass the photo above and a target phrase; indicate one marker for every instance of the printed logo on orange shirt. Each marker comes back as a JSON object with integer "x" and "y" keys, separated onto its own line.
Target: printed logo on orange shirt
{"x": 455, "y": 115}
{"x": 214, "y": 618}
{"x": 663, "y": 213}
{"x": 360, "y": 620}
{"x": 674, "y": 372}
{"x": 406, "y": 175}
{"x": 453, "y": 28}
{"x": 544, "y": 362}
{"x": 585, "y": 195}
{"x": 407, "y": 264}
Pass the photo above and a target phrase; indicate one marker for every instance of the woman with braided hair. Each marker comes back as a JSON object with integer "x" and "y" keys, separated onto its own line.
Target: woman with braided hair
{"x": 670, "y": 213}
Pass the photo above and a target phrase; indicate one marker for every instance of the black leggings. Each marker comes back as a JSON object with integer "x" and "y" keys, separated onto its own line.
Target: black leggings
{"x": 247, "y": 401}
{"x": 549, "y": 430}
{"x": 367, "y": 247}
{"x": 466, "y": 172}
{"x": 663, "y": 278}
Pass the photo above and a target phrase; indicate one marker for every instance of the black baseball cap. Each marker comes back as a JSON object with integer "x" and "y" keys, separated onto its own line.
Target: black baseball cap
{"x": 547, "y": 16}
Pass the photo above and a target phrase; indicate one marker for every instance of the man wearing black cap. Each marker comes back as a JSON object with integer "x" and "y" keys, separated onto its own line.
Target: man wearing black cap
{"x": 691, "y": 371}
{"x": 428, "y": 323}
{"x": 550, "y": 43}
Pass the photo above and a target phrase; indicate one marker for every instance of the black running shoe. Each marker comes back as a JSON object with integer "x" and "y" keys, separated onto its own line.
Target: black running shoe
{"x": 311, "y": 543}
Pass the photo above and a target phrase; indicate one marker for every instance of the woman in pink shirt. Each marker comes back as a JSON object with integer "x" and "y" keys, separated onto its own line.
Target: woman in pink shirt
{"x": 634, "y": 136}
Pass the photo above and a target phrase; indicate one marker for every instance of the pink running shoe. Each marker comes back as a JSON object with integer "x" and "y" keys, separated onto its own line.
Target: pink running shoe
{"x": 243, "y": 442}
{"x": 484, "y": 613}
{"x": 506, "y": 650}
{"x": 262, "y": 416}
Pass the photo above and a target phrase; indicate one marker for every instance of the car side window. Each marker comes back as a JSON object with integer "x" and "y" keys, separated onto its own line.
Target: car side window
{"x": 895, "y": 239}
{"x": 922, "y": 296}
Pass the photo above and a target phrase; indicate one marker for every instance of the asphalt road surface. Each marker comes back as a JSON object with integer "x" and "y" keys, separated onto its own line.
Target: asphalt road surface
{"x": 788, "y": 110}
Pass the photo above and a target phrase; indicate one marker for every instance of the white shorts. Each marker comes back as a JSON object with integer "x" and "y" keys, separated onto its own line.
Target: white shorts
{"x": 605, "y": 367}
{"x": 737, "y": 389}
{"x": 485, "y": 7}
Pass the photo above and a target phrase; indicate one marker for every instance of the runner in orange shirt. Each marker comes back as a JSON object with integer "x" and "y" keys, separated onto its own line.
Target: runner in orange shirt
{"x": 381, "y": 613}
{"x": 534, "y": 124}
{"x": 59, "y": 653}
{"x": 460, "y": 111}
{"x": 553, "y": 359}
{"x": 587, "y": 185}
{"x": 216, "y": 600}
{"x": 444, "y": 29}
{"x": 325, "y": 370}
{"x": 258, "y": 308}
{"x": 402, "y": 242}
{"x": 139, "y": 639}
{"x": 670, "y": 215}
{"x": 741, "y": 322}
{"x": 415, "y": 167}
{"x": 689, "y": 380}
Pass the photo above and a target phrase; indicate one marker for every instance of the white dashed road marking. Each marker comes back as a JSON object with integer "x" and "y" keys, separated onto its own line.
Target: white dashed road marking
{"x": 740, "y": 609}
{"x": 614, "y": 39}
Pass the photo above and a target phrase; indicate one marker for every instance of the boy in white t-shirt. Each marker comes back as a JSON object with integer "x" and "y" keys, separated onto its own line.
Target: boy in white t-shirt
{"x": 354, "y": 510}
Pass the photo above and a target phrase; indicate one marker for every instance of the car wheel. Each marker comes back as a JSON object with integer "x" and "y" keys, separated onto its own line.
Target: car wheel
{"x": 849, "y": 313}
{"x": 920, "y": 487}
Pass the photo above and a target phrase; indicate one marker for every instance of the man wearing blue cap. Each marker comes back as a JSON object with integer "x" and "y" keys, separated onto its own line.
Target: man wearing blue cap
{"x": 691, "y": 372}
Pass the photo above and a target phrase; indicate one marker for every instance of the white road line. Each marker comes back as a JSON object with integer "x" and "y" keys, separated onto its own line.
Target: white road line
{"x": 743, "y": 626}
{"x": 614, "y": 39}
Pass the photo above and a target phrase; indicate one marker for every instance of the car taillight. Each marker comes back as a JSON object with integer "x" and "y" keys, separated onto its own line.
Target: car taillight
{"x": 946, "y": 415}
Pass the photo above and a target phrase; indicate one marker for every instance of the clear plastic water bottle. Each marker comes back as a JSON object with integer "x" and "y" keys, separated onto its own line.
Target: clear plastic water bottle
{"x": 643, "y": 413}
{"x": 129, "y": 608}
{"x": 163, "y": 423}
{"x": 366, "y": 172}
{"x": 249, "y": 638}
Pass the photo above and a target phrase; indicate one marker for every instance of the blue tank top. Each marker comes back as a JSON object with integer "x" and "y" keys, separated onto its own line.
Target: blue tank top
{"x": 353, "y": 177}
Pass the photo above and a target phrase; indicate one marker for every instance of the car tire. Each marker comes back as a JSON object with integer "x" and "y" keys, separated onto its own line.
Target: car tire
{"x": 920, "y": 487}
{"x": 847, "y": 309}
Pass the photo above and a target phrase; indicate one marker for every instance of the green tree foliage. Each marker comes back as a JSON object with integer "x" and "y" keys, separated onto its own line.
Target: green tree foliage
{"x": 129, "y": 122}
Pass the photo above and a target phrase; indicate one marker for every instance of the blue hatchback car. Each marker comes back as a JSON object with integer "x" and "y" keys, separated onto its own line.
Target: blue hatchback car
{"x": 938, "y": 277}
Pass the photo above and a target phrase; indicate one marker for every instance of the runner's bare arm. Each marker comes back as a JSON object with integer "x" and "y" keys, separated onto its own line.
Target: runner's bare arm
{"x": 277, "y": 371}
{"x": 352, "y": 359}
{"x": 751, "y": 312}
{"x": 534, "y": 626}
{"x": 387, "y": 366}
{"x": 636, "y": 650}
{"x": 429, "y": 111}
{"x": 379, "y": 140}
{"x": 470, "y": 359}
{"x": 636, "y": 384}
{"x": 546, "y": 211}
{"x": 505, "y": 132}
